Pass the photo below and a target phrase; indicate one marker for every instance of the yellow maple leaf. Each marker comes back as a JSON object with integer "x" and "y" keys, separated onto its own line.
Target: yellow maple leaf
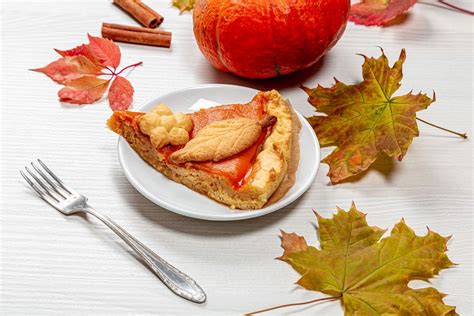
{"x": 184, "y": 5}
{"x": 364, "y": 121}
{"x": 370, "y": 275}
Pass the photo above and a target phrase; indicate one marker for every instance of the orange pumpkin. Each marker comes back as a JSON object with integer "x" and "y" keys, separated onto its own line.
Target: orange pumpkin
{"x": 267, "y": 38}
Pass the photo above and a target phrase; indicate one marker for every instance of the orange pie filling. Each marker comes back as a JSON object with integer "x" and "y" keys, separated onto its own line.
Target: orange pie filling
{"x": 235, "y": 168}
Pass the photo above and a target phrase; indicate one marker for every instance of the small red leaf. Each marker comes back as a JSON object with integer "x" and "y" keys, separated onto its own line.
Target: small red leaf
{"x": 79, "y": 70}
{"x": 66, "y": 69}
{"x": 82, "y": 50}
{"x": 378, "y": 12}
{"x": 120, "y": 94}
{"x": 83, "y": 90}
{"x": 105, "y": 52}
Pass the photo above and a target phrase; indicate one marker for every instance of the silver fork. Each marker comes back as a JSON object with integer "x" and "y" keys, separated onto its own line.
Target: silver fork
{"x": 66, "y": 200}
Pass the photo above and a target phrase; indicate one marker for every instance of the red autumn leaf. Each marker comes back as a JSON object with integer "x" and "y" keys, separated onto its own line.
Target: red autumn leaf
{"x": 79, "y": 70}
{"x": 81, "y": 50}
{"x": 120, "y": 94}
{"x": 378, "y": 12}
{"x": 105, "y": 52}
{"x": 66, "y": 69}
{"x": 83, "y": 90}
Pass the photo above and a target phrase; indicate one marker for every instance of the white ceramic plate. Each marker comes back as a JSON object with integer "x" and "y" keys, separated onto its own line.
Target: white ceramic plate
{"x": 178, "y": 198}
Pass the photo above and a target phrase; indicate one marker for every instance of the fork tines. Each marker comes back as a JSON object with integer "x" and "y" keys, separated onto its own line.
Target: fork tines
{"x": 45, "y": 183}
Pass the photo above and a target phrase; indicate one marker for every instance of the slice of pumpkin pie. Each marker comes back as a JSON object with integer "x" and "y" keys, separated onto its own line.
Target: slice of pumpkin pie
{"x": 241, "y": 155}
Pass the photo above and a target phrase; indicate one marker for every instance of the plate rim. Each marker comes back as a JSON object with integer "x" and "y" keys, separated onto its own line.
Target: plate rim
{"x": 237, "y": 215}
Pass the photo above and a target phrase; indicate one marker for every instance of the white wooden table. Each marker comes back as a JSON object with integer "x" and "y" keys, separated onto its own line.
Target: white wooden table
{"x": 52, "y": 264}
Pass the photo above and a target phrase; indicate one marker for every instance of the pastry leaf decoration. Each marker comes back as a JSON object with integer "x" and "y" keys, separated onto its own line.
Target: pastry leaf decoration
{"x": 219, "y": 140}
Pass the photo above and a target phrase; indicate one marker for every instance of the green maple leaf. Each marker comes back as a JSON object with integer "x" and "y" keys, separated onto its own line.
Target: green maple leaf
{"x": 364, "y": 120}
{"x": 369, "y": 274}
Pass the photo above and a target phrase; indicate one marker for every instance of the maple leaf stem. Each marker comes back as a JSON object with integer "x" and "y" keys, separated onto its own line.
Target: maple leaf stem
{"x": 456, "y": 7}
{"x": 330, "y": 298}
{"x": 463, "y": 135}
{"x": 129, "y": 66}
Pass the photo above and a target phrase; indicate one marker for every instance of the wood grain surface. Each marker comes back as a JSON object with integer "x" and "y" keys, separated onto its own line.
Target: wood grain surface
{"x": 57, "y": 265}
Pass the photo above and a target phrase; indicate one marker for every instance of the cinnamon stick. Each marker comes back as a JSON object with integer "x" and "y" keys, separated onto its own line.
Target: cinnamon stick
{"x": 136, "y": 34}
{"x": 141, "y": 12}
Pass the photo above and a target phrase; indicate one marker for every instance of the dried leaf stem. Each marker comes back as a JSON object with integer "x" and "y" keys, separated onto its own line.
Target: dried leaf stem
{"x": 463, "y": 135}
{"x": 330, "y": 298}
{"x": 129, "y": 66}
{"x": 456, "y": 7}
{"x": 114, "y": 73}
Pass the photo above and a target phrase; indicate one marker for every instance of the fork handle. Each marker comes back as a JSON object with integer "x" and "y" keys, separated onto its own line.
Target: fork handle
{"x": 177, "y": 281}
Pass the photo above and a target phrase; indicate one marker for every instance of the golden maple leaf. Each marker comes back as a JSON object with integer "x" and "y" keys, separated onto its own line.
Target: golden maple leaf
{"x": 184, "y": 5}
{"x": 364, "y": 120}
{"x": 370, "y": 275}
